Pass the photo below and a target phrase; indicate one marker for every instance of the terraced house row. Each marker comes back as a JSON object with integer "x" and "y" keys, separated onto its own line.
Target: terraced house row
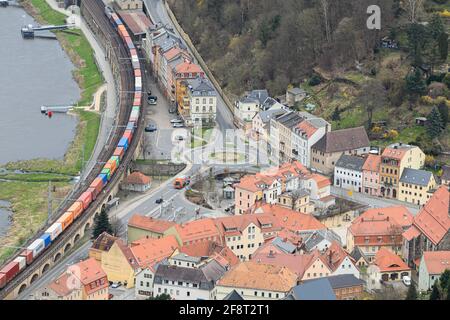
{"x": 182, "y": 81}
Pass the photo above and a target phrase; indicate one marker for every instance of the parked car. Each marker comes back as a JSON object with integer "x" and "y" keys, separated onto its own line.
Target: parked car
{"x": 178, "y": 125}
{"x": 115, "y": 285}
{"x": 159, "y": 200}
{"x": 150, "y": 128}
{"x": 176, "y": 121}
{"x": 406, "y": 281}
{"x": 172, "y": 110}
{"x": 179, "y": 138}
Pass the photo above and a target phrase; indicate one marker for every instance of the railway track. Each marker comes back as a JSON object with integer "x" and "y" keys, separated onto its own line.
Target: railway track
{"x": 93, "y": 13}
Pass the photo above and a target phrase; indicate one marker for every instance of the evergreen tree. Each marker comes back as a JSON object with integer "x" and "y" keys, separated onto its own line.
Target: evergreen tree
{"x": 435, "y": 293}
{"x": 443, "y": 111}
{"x": 412, "y": 292}
{"x": 417, "y": 40}
{"x": 448, "y": 291}
{"x": 102, "y": 224}
{"x": 443, "y": 46}
{"x": 415, "y": 84}
{"x": 436, "y": 26}
{"x": 434, "y": 123}
{"x": 336, "y": 116}
{"x": 444, "y": 279}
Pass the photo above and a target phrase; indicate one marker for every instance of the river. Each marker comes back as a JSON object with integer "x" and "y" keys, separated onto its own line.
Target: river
{"x": 33, "y": 73}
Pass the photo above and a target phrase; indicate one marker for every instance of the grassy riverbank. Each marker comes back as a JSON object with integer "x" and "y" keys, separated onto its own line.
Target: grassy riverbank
{"x": 29, "y": 205}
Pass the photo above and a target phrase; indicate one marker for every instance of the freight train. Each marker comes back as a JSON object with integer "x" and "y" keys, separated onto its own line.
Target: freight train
{"x": 38, "y": 246}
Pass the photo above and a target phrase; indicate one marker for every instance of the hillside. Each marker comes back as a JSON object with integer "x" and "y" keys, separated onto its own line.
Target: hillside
{"x": 275, "y": 44}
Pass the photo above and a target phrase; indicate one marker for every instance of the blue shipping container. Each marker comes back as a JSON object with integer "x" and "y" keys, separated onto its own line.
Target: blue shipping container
{"x": 104, "y": 178}
{"x": 123, "y": 143}
{"x": 47, "y": 239}
{"x": 130, "y": 126}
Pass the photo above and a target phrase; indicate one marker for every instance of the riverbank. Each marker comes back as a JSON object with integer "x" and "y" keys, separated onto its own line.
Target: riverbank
{"x": 28, "y": 193}
{"x": 89, "y": 79}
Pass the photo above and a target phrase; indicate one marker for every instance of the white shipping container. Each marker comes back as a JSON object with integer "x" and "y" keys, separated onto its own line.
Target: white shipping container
{"x": 55, "y": 230}
{"x": 138, "y": 81}
{"x": 22, "y": 261}
{"x": 36, "y": 247}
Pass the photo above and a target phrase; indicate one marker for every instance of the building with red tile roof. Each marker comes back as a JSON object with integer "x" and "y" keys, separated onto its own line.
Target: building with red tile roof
{"x": 85, "y": 280}
{"x": 390, "y": 266}
{"x": 223, "y": 254}
{"x": 379, "y": 228}
{"x": 136, "y": 182}
{"x": 149, "y": 251}
{"x": 141, "y": 226}
{"x": 254, "y": 280}
{"x": 290, "y": 219}
{"x": 245, "y": 233}
{"x": 432, "y": 265}
{"x": 430, "y": 228}
{"x": 195, "y": 232}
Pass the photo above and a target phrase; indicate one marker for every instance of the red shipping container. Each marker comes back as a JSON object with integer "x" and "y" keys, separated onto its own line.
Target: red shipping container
{"x": 2, "y": 280}
{"x": 136, "y": 102}
{"x": 119, "y": 152}
{"x": 86, "y": 199}
{"x": 97, "y": 184}
{"x": 128, "y": 134}
{"x": 28, "y": 254}
{"x": 93, "y": 192}
{"x": 10, "y": 270}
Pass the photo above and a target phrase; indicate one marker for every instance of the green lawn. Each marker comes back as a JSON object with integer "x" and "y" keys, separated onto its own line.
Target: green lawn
{"x": 29, "y": 204}
{"x": 36, "y": 177}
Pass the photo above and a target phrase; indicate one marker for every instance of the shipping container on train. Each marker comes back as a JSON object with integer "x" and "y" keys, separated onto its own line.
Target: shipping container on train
{"x": 104, "y": 178}
{"x": 111, "y": 165}
{"x": 135, "y": 62}
{"x": 85, "y": 199}
{"x": 137, "y": 72}
{"x": 54, "y": 230}
{"x": 77, "y": 207}
{"x": 2, "y": 280}
{"x": 116, "y": 160}
{"x": 47, "y": 239}
{"x": 37, "y": 246}
{"x": 107, "y": 172}
{"x": 131, "y": 126}
{"x": 28, "y": 255}
{"x": 119, "y": 152}
{"x": 123, "y": 143}
{"x": 10, "y": 270}
{"x": 22, "y": 261}
{"x": 66, "y": 220}
{"x": 128, "y": 134}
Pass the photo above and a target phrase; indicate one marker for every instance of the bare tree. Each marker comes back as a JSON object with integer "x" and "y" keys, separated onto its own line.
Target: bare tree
{"x": 413, "y": 8}
{"x": 372, "y": 97}
{"x": 325, "y": 11}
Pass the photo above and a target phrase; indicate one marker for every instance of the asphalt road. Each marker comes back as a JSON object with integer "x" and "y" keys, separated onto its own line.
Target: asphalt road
{"x": 159, "y": 14}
